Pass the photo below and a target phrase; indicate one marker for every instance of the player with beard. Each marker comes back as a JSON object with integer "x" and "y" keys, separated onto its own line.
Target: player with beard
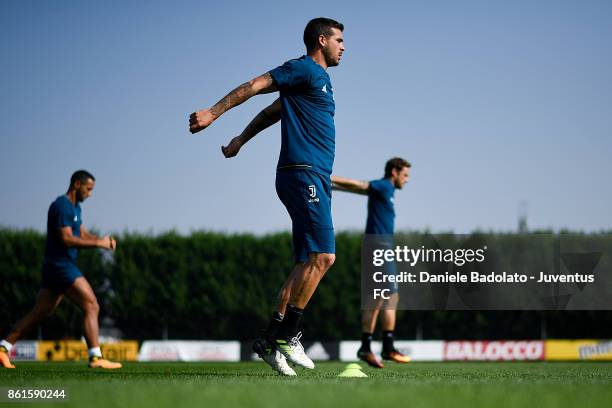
{"x": 380, "y": 223}
{"x": 61, "y": 277}
{"x": 306, "y": 110}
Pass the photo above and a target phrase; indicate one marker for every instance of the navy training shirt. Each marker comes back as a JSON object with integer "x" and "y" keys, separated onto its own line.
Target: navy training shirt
{"x": 62, "y": 213}
{"x": 381, "y": 212}
{"x": 307, "y": 120}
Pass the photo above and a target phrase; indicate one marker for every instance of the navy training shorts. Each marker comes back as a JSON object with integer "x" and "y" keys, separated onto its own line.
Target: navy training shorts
{"x": 307, "y": 196}
{"x": 59, "y": 277}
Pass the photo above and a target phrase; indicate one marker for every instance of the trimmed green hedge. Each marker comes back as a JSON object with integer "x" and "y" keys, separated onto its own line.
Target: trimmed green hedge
{"x": 219, "y": 286}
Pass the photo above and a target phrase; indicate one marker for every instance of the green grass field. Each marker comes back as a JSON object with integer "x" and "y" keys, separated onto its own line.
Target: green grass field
{"x": 255, "y": 385}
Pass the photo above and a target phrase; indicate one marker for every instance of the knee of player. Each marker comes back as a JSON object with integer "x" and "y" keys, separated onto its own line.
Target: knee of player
{"x": 325, "y": 261}
{"x": 92, "y": 306}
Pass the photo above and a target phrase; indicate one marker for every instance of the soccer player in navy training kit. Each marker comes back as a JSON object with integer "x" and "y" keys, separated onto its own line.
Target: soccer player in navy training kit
{"x": 381, "y": 219}
{"x": 60, "y": 274}
{"x": 306, "y": 111}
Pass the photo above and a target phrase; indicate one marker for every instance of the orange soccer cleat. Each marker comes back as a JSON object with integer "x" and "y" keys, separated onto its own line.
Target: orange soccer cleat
{"x": 369, "y": 358}
{"x": 99, "y": 362}
{"x": 4, "y": 359}
{"x": 396, "y": 356}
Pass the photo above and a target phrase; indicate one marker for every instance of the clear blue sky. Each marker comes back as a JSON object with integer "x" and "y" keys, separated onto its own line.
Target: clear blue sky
{"x": 494, "y": 103}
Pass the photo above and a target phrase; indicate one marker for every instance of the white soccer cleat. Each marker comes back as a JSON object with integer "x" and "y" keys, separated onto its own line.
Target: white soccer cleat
{"x": 278, "y": 362}
{"x": 272, "y": 357}
{"x": 293, "y": 350}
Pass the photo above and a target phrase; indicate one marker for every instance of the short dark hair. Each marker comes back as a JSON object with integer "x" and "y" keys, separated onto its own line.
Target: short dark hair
{"x": 395, "y": 163}
{"x": 316, "y": 27}
{"x": 82, "y": 176}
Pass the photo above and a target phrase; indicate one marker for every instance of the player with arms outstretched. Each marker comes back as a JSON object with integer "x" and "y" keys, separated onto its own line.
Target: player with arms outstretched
{"x": 61, "y": 277}
{"x": 380, "y": 222}
{"x": 306, "y": 111}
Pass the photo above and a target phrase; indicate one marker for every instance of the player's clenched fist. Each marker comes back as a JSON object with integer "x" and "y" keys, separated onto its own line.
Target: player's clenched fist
{"x": 107, "y": 242}
{"x": 232, "y": 148}
{"x": 200, "y": 120}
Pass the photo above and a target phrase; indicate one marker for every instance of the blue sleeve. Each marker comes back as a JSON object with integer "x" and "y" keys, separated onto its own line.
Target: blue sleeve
{"x": 292, "y": 74}
{"x": 64, "y": 215}
{"x": 381, "y": 188}
{"x": 375, "y": 187}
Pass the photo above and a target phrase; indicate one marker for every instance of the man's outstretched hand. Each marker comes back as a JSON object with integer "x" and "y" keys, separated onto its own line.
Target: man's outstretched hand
{"x": 232, "y": 148}
{"x": 200, "y": 120}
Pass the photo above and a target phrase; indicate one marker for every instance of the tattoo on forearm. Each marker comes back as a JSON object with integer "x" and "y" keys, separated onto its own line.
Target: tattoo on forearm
{"x": 264, "y": 116}
{"x": 260, "y": 122}
{"x": 239, "y": 95}
{"x": 235, "y": 97}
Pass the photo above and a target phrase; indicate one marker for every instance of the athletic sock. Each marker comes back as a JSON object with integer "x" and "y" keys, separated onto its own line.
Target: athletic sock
{"x": 6, "y": 345}
{"x": 94, "y": 353}
{"x": 366, "y": 341}
{"x": 273, "y": 325}
{"x": 387, "y": 336}
{"x": 291, "y": 322}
